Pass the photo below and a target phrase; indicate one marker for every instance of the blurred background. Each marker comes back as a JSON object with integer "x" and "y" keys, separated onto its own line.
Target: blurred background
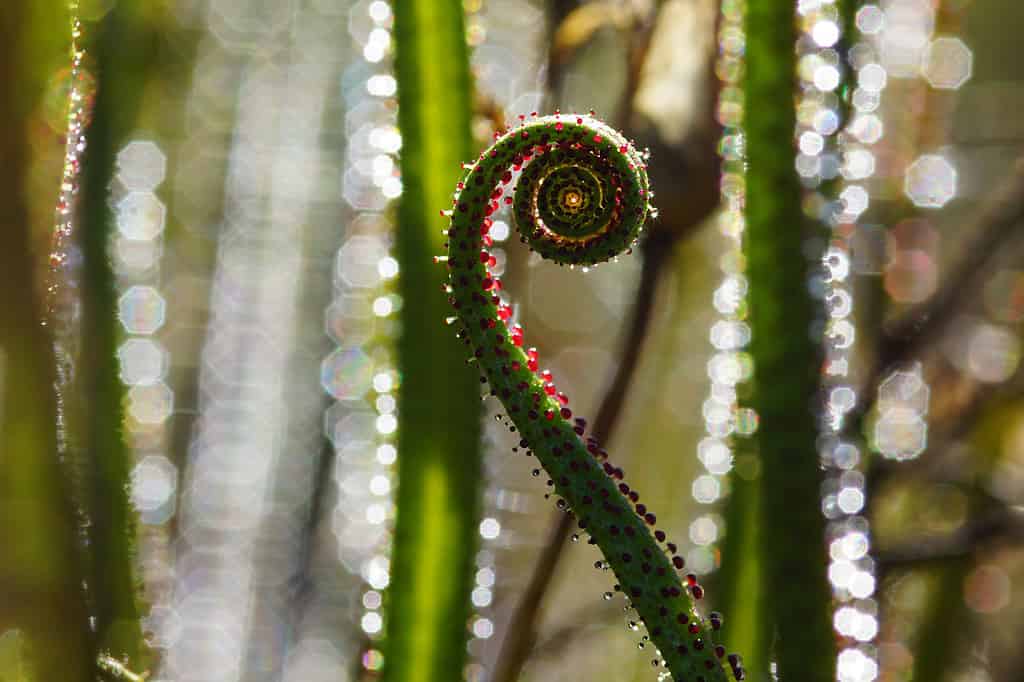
{"x": 255, "y": 148}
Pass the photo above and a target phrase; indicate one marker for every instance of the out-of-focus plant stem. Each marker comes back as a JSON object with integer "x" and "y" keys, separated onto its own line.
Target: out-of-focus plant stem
{"x": 123, "y": 45}
{"x": 796, "y": 621}
{"x": 42, "y": 607}
{"x": 439, "y": 462}
{"x": 738, "y": 588}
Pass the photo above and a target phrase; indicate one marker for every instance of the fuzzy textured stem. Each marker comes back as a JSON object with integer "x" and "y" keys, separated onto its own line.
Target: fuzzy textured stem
{"x": 786, "y": 360}
{"x": 124, "y": 46}
{"x": 582, "y": 198}
{"x": 522, "y": 628}
{"x": 41, "y": 599}
{"x": 738, "y": 585}
{"x": 439, "y": 462}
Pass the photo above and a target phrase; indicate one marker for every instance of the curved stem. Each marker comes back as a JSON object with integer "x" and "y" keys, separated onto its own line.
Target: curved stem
{"x": 565, "y": 211}
{"x": 521, "y": 636}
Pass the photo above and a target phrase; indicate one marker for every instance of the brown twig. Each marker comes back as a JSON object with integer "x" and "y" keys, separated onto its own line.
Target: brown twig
{"x": 642, "y": 32}
{"x": 558, "y": 11}
{"x": 487, "y": 106}
{"x": 594, "y": 616}
{"x": 1002, "y": 526}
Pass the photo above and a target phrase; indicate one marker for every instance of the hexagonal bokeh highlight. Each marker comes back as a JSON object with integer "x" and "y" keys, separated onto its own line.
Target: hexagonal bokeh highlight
{"x": 141, "y": 165}
{"x": 947, "y": 63}
{"x": 930, "y": 182}
{"x": 903, "y": 390}
{"x": 870, "y": 19}
{"x": 360, "y": 21}
{"x": 150, "y": 404}
{"x": 357, "y": 261}
{"x": 346, "y": 373}
{"x": 142, "y": 310}
{"x": 154, "y": 480}
{"x": 143, "y": 361}
{"x": 136, "y": 255}
{"x": 901, "y": 434}
{"x": 993, "y": 353}
{"x": 241, "y": 26}
{"x": 360, "y": 192}
{"x": 349, "y": 320}
{"x": 141, "y": 216}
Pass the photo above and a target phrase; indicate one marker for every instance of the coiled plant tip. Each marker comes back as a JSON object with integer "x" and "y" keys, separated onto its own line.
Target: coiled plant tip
{"x": 582, "y": 197}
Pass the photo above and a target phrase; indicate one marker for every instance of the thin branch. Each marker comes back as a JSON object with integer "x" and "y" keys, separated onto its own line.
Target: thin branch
{"x": 487, "y": 106}
{"x": 642, "y": 33}
{"x": 593, "y": 616}
{"x": 302, "y": 582}
{"x": 1004, "y": 526}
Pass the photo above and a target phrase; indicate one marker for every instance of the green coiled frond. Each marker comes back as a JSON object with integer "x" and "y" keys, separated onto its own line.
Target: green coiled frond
{"x": 582, "y": 198}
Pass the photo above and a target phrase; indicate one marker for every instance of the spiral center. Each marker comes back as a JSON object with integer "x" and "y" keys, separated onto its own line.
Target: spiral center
{"x": 571, "y": 200}
{"x": 581, "y": 197}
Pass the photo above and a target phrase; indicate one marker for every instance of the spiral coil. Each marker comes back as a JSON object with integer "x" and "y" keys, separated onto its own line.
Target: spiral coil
{"x": 582, "y": 197}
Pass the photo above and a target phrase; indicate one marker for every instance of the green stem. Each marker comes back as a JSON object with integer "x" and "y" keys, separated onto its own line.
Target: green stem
{"x": 582, "y": 198}
{"x": 41, "y": 601}
{"x": 786, "y": 360}
{"x": 124, "y": 47}
{"x": 521, "y": 635}
{"x": 738, "y": 584}
{"x": 439, "y": 464}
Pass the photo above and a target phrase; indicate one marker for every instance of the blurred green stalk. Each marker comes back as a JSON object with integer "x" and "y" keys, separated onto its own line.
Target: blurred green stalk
{"x": 439, "y": 463}
{"x": 123, "y": 46}
{"x": 738, "y": 588}
{"x": 796, "y": 624}
{"x": 43, "y": 615}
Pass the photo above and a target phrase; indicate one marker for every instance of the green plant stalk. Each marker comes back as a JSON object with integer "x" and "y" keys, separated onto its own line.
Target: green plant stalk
{"x": 582, "y": 198}
{"x": 738, "y": 584}
{"x": 796, "y": 607}
{"x": 439, "y": 433}
{"x": 43, "y": 616}
{"x": 124, "y": 48}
